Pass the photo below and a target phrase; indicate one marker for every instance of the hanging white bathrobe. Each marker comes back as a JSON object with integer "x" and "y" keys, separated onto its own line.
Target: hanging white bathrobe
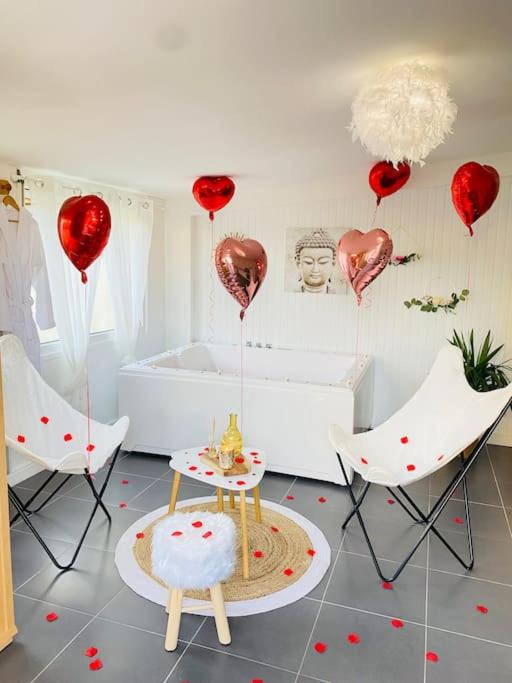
{"x": 23, "y": 271}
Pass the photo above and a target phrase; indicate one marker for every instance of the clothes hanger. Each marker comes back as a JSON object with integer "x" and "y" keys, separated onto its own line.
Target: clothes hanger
{"x": 5, "y": 188}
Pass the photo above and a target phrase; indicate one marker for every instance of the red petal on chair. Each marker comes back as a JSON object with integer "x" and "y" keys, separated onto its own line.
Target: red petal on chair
{"x": 96, "y": 665}
{"x": 387, "y": 586}
{"x": 240, "y": 483}
{"x": 404, "y": 439}
{"x": 258, "y": 553}
{"x": 68, "y": 437}
{"x": 90, "y": 448}
{"x": 45, "y": 420}
{"x": 290, "y": 497}
{"x": 353, "y": 638}
{"x": 52, "y": 616}
{"x": 274, "y": 529}
{"x": 21, "y": 438}
{"x": 458, "y": 520}
{"x": 321, "y": 648}
{"x": 397, "y": 623}
{"x": 124, "y": 482}
{"x": 482, "y": 609}
{"x": 411, "y": 468}
{"x": 91, "y": 652}
{"x": 322, "y": 500}
{"x": 177, "y": 533}
{"x": 122, "y": 505}
{"x": 197, "y": 525}
{"x": 311, "y": 552}
{"x": 192, "y": 468}
{"x": 288, "y": 571}
{"x": 364, "y": 461}
{"x": 390, "y": 501}
{"x": 432, "y": 656}
{"x": 208, "y": 534}
{"x": 139, "y": 535}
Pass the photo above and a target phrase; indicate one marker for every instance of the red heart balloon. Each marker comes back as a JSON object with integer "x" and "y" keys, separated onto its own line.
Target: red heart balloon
{"x": 363, "y": 256}
{"x": 241, "y": 266}
{"x": 474, "y": 189}
{"x": 84, "y": 228}
{"x": 385, "y": 179}
{"x": 213, "y": 192}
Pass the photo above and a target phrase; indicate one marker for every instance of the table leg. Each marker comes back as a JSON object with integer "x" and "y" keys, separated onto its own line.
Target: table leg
{"x": 231, "y": 500}
{"x": 245, "y": 536}
{"x": 257, "y": 503}
{"x": 174, "y": 492}
{"x": 220, "y": 499}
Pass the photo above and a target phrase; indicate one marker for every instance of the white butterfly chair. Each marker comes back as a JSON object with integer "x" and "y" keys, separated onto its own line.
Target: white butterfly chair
{"x": 443, "y": 418}
{"x": 43, "y": 427}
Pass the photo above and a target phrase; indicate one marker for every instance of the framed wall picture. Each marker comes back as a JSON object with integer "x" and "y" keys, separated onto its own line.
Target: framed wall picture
{"x": 311, "y": 266}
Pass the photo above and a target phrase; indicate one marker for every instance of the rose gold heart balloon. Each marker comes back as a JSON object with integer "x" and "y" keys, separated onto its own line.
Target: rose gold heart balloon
{"x": 241, "y": 266}
{"x": 363, "y": 256}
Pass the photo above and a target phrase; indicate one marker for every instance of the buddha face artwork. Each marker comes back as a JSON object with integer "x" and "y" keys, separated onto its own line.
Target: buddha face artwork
{"x": 314, "y": 259}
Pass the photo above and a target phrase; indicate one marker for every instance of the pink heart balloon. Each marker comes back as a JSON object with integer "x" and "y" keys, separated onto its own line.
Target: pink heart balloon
{"x": 241, "y": 267}
{"x": 363, "y": 256}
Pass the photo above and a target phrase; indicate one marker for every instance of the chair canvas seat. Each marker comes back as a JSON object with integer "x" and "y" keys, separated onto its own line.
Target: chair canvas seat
{"x": 443, "y": 418}
{"x": 39, "y": 422}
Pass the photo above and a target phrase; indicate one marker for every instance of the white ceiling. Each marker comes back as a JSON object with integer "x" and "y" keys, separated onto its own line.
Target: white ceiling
{"x": 149, "y": 94}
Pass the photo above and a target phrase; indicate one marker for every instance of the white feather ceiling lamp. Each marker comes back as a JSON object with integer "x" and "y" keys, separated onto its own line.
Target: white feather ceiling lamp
{"x": 404, "y": 114}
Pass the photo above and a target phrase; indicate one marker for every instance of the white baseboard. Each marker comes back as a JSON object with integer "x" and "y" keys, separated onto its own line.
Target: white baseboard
{"x": 21, "y": 473}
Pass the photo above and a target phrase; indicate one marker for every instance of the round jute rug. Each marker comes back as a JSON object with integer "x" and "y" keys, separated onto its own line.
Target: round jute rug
{"x": 288, "y": 557}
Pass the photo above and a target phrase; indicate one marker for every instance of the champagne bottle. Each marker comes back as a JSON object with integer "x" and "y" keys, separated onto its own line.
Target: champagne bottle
{"x": 232, "y": 439}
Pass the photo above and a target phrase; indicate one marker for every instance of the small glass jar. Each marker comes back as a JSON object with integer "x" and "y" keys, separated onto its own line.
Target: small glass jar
{"x": 226, "y": 459}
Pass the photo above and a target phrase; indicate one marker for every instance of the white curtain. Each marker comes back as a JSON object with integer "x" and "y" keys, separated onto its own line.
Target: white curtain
{"x": 72, "y": 300}
{"x": 126, "y": 258}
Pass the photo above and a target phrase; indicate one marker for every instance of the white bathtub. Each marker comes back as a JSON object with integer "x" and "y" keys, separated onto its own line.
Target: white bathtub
{"x": 290, "y": 398}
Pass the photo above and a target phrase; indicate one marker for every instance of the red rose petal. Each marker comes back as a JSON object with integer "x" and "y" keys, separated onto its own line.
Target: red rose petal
{"x": 290, "y": 497}
{"x": 192, "y": 468}
{"x": 288, "y": 571}
{"x": 239, "y": 459}
{"x": 274, "y": 529}
{"x": 197, "y": 525}
{"x": 255, "y": 680}
{"x": 322, "y": 500}
{"x": 124, "y": 482}
{"x": 258, "y": 553}
{"x": 21, "y": 438}
{"x": 364, "y": 461}
{"x": 397, "y": 623}
{"x": 91, "y": 652}
{"x": 390, "y": 501}
{"x": 387, "y": 586}
{"x": 51, "y": 616}
{"x": 321, "y": 648}
{"x": 411, "y": 468}
{"x": 458, "y": 520}
{"x": 96, "y": 665}
{"x": 353, "y": 638}
{"x": 68, "y": 437}
{"x": 440, "y": 457}
{"x": 404, "y": 439}
{"x": 240, "y": 483}
{"x": 311, "y": 552}
{"x": 482, "y": 609}
{"x": 432, "y": 656}
{"x": 122, "y": 505}
{"x": 90, "y": 447}
{"x": 45, "y": 420}
{"x": 177, "y": 533}
{"x": 209, "y": 473}
{"x": 257, "y": 462}
{"x": 139, "y": 535}
{"x": 254, "y": 453}
{"x": 208, "y": 534}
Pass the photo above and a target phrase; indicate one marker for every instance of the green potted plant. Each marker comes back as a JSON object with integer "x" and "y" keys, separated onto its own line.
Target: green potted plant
{"x": 482, "y": 374}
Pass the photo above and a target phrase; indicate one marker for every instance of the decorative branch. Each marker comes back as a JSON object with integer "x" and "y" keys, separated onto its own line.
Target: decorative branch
{"x": 404, "y": 260}
{"x": 432, "y": 304}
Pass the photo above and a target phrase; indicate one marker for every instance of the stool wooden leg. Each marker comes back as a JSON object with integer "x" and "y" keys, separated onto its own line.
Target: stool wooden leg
{"x": 245, "y": 537}
{"x": 220, "y": 500}
{"x": 174, "y": 492}
{"x": 219, "y": 609}
{"x": 231, "y": 500}
{"x": 257, "y": 503}
{"x": 173, "y": 623}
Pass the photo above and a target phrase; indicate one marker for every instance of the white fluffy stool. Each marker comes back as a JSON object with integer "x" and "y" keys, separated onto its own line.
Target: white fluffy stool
{"x": 194, "y": 550}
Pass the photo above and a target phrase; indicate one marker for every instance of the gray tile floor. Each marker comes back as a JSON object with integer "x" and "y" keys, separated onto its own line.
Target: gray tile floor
{"x": 366, "y": 634}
